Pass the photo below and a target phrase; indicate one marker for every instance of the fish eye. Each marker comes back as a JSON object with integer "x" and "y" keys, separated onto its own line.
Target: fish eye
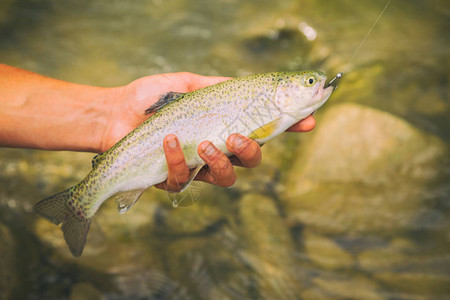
{"x": 310, "y": 80}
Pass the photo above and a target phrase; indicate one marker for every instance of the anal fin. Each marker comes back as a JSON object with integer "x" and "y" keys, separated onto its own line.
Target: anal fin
{"x": 125, "y": 200}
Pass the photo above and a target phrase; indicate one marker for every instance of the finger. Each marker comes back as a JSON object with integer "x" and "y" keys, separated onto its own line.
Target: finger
{"x": 195, "y": 81}
{"x": 178, "y": 171}
{"x": 147, "y": 90}
{"x": 246, "y": 150}
{"x": 220, "y": 170}
{"x": 304, "y": 125}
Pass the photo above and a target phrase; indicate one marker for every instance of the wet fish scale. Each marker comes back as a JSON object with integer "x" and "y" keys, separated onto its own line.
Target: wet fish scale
{"x": 260, "y": 106}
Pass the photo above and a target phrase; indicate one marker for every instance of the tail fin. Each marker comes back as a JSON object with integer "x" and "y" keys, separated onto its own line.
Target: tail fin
{"x": 63, "y": 208}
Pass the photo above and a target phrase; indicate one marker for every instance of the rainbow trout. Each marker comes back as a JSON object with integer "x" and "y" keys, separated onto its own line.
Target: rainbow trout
{"x": 259, "y": 106}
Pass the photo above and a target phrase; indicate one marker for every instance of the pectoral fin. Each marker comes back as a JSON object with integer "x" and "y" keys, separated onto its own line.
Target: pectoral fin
{"x": 264, "y": 131}
{"x": 163, "y": 101}
{"x": 125, "y": 200}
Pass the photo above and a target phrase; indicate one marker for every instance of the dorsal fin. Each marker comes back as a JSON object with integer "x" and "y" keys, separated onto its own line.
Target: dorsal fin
{"x": 164, "y": 99}
{"x": 96, "y": 159}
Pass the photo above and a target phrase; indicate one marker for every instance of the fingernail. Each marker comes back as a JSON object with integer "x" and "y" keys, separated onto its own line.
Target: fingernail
{"x": 172, "y": 143}
{"x": 208, "y": 149}
{"x": 237, "y": 141}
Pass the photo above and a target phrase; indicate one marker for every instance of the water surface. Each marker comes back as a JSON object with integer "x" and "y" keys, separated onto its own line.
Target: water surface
{"x": 357, "y": 209}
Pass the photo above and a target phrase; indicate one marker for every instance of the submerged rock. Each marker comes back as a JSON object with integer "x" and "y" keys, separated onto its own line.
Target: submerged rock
{"x": 5, "y": 11}
{"x": 354, "y": 143}
{"x": 366, "y": 175}
{"x": 399, "y": 252}
{"x": 428, "y": 284}
{"x": 407, "y": 268}
{"x": 349, "y": 288}
{"x": 202, "y": 206}
{"x": 8, "y": 274}
{"x": 325, "y": 253}
{"x": 85, "y": 291}
{"x": 268, "y": 248}
{"x": 364, "y": 170}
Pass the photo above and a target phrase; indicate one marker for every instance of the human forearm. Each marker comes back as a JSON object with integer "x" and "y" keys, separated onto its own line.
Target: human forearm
{"x": 45, "y": 113}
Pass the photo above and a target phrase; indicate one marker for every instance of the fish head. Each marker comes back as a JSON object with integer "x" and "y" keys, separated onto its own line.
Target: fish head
{"x": 300, "y": 94}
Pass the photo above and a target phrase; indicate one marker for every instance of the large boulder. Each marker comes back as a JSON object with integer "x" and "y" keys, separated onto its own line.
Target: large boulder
{"x": 354, "y": 143}
{"x": 364, "y": 170}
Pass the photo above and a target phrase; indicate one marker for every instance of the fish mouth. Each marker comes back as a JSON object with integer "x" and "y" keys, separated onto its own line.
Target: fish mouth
{"x": 322, "y": 94}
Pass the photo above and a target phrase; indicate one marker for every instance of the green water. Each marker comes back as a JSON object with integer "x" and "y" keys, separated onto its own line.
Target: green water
{"x": 357, "y": 209}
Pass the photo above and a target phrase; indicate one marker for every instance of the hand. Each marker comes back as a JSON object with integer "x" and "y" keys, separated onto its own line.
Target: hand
{"x": 128, "y": 112}
{"x": 131, "y": 101}
{"x": 219, "y": 170}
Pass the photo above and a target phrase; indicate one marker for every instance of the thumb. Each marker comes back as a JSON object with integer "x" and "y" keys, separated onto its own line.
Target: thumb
{"x": 195, "y": 81}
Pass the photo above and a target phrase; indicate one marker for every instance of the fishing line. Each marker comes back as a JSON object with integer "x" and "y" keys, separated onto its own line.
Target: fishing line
{"x": 346, "y": 67}
{"x": 367, "y": 35}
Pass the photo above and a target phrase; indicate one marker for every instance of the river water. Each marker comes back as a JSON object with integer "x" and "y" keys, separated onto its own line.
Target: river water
{"x": 357, "y": 209}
